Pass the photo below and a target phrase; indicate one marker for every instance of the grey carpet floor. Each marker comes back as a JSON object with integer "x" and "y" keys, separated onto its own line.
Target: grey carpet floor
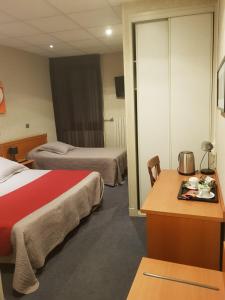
{"x": 97, "y": 261}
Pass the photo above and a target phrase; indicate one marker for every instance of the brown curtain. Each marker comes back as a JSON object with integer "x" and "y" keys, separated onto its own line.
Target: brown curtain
{"x": 77, "y": 99}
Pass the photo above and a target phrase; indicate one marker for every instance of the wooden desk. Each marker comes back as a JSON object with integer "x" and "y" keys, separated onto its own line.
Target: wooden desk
{"x": 187, "y": 232}
{"x": 147, "y": 288}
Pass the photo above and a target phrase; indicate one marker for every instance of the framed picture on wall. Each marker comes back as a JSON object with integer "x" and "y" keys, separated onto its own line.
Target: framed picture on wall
{"x": 2, "y": 100}
{"x": 221, "y": 86}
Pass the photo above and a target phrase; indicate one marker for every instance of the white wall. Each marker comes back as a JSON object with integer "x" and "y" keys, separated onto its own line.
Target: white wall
{"x": 111, "y": 66}
{"x": 220, "y": 120}
{"x": 28, "y": 97}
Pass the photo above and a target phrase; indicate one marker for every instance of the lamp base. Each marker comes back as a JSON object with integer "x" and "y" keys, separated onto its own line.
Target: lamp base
{"x": 13, "y": 157}
{"x": 207, "y": 171}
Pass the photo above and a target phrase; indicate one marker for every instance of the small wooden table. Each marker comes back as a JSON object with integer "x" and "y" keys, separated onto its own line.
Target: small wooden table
{"x": 146, "y": 288}
{"x": 187, "y": 232}
{"x": 27, "y": 162}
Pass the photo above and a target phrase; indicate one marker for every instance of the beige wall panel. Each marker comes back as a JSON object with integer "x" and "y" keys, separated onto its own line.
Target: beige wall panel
{"x": 111, "y": 66}
{"x": 28, "y": 97}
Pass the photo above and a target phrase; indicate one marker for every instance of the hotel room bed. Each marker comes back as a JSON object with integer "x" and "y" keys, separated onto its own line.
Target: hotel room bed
{"x": 35, "y": 235}
{"x": 109, "y": 162}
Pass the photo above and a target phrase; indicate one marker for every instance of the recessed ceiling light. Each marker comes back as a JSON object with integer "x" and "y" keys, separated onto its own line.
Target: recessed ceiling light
{"x": 51, "y": 46}
{"x": 108, "y": 31}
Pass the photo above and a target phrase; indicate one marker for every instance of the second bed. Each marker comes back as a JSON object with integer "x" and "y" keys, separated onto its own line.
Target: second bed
{"x": 111, "y": 163}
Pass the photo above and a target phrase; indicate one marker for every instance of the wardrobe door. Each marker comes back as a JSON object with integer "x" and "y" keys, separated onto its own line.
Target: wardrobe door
{"x": 191, "y": 74}
{"x": 152, "y": 61}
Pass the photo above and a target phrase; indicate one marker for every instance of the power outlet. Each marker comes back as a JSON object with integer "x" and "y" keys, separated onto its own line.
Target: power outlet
{"x": 27, "y": 125}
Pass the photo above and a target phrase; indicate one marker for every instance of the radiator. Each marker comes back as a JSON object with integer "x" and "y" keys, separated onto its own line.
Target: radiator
{"x": 114, "y": 132}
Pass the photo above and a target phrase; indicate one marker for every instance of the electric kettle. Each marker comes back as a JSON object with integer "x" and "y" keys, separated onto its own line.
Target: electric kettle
{"x": 186, "y": 163}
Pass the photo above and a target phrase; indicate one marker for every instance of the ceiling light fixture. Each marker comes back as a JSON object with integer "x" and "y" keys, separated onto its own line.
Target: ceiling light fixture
{"x": 108, "y": 31}
{"x": 51, "y": 46}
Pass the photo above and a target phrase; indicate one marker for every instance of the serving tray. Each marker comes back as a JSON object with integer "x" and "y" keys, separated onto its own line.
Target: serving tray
{"x": 183, "y": 190}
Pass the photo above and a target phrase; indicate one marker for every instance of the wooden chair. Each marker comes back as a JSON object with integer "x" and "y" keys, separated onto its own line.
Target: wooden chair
{"x": 154, "y": 168}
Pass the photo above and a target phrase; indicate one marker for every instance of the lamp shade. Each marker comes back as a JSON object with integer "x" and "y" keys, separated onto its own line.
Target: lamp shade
{"x": 206, "y": 146}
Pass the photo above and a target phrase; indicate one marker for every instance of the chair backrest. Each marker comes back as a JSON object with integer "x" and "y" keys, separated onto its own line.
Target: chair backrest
{"x": 154, "y": 168}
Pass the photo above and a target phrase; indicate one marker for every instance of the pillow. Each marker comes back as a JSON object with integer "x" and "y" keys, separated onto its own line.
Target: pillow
{"x": 56, "y": 147}
{"x": 8, "y": 168}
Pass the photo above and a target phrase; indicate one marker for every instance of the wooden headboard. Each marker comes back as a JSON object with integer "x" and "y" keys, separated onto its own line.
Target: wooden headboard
{"x": 24, "y": 145}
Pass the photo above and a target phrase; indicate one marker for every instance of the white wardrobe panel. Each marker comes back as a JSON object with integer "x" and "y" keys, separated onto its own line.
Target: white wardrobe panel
{"x": 152, "y": 97}
{"x": 191, "y": 60}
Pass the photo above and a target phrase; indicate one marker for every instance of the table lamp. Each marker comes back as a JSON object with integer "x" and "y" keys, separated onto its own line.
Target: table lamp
{"x": 12, "y": 151}
{"x": 207, "y": 147}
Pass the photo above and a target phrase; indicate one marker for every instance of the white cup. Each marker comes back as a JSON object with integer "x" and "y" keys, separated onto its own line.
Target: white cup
{"x": 204, "y": 192}
{"x": 193, "y": 182}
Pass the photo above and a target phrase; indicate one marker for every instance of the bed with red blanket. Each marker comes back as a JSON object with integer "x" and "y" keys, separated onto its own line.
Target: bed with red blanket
{"x": 38, "y": 208}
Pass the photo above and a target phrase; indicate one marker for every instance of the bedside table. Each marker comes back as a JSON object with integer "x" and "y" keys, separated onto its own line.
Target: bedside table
{"x": 27, "y": 162}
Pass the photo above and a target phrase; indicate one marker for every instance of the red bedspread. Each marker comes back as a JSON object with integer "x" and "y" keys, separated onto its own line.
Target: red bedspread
{"x": 18, "y": 204}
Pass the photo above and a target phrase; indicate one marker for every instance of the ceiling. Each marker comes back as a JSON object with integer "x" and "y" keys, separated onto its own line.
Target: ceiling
{"x": 74, "y": 27}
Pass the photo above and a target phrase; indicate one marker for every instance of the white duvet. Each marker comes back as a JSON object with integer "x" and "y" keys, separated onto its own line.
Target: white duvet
{"x": 20, "y": 179}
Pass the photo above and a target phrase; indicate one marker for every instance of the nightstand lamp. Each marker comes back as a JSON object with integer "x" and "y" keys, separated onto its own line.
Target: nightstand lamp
{"x": 12, "y": 151}
{"x": 207, "y": 147}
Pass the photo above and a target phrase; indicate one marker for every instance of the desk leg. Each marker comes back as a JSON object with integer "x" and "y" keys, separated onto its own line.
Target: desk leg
{"x": 184, "y": 240}
{"x": 1, "y": 291}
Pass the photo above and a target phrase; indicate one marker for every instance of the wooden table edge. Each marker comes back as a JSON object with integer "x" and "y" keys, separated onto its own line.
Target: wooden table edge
{"x": 186, "y": 216}
{"x": 146, "y": 260}
{"x": 220, "y": 219}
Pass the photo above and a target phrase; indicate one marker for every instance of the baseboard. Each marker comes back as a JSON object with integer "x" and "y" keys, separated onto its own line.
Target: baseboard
{"x": 141, "y": 214}
{"x": 133, "y": 212}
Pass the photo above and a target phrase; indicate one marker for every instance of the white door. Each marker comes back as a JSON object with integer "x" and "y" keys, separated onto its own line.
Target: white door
{"x": 191, "y": 63}
{"x": 152, "y": 59}
{"x": 173, "y": 69}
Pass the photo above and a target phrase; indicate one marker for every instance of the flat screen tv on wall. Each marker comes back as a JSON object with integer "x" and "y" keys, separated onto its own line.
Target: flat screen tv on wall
{"x": 119, "y": 86}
